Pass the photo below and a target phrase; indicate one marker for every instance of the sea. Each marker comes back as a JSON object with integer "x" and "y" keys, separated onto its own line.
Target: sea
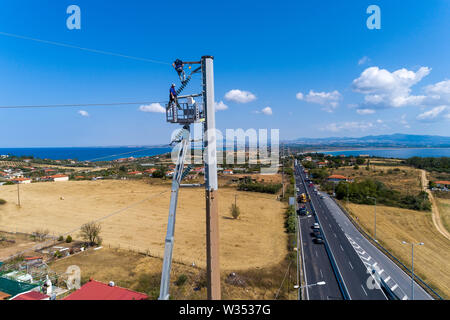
{"x": 401, "y": 153}
{"x": 112, "y": 153}
{"x": 93, "y": 154}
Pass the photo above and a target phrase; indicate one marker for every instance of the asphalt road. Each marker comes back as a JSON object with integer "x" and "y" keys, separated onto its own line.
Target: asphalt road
{"x": 398, "y": 281}
{"x": 317, "y": 264}
{"x": 357, "y": 280}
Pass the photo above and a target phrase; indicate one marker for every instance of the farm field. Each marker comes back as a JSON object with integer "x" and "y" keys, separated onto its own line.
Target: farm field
{"x": 133, "y": 215}
{"x": 394, "y": 225}
{"x": 444, "y": 210}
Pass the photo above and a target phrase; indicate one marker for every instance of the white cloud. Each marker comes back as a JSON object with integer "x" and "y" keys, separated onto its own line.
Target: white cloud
{"x": 328, "y": 99}
{"x": 363, "y": 60}
{"x": 83, "y": 113}
{"x": 219, "y": 106}
{"x": 365, "y": 111}
{"x": 439, "y": 92}
{"x": 392, "y": 89}
{"x": 349, "y": 126}
{"x": 299, "y": 96}
{"x": 154, "y": 107}
{"x": 267, "y": 111}
{"x": 239, "y": 96}
{"x": 434, "y": 113}
{"x": 379, "y": 121}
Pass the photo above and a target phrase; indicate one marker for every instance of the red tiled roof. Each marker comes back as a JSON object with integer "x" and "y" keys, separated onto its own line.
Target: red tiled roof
{"x": 337, "y": 176}
{"x": 32, "y": 295}
{"x": 20, "y": 179}
{"x": 442, "y": 182}
{"x": 59, "y": 176}
{"x": 94, "y": 290}
{"x": 32, "y": 258}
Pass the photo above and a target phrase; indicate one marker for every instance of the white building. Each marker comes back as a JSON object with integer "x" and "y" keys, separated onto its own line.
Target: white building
{"x": 60, "y": 178}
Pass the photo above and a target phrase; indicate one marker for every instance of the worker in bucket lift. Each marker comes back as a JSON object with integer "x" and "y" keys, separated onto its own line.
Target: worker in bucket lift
{"x": 179, "y": 67}
{"x": 173, "y": 96}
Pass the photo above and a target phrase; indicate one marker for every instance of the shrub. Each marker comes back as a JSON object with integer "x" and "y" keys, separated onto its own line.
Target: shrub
{"x": 235, "y": 211}
{"x": 68, "y": 239}
{"x": 60, "y": 238}
{"x": 181, "y": 280}
{"x": 2, "y": 201}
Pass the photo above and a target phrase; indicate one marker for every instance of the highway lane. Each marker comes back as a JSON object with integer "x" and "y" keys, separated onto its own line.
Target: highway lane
{"x": 398, "y": 281}
{"x": 317, "y": 265}
{"x": 358, "y": 281}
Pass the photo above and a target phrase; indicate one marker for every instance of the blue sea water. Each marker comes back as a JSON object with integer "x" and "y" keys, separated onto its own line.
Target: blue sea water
{"x": 403, "y": 153}
{"x": 86, "y": 154}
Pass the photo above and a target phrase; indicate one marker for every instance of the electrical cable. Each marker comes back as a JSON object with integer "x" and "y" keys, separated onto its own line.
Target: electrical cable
{"x": 60, "y": 44}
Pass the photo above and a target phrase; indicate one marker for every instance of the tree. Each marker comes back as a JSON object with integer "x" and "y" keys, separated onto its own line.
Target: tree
{"x": 68, "y": 239}
{"x": 235, "y": 211}
{"x": 41, "y": 234}
{"x": 91, "y": 233}
{"x": 360, "y": 161}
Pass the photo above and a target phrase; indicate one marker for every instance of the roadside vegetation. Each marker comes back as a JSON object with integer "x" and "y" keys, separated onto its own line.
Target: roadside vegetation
{"x": 2, "y": 202}
{"x": 363, "y": 193}
{"x": 248, "y": 185}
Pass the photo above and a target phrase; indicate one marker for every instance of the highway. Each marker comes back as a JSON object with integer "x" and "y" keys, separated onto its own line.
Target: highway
{"x": 355, "y": 255}
{"x": 318, "y": 266}
{"x": 356, "y": 280}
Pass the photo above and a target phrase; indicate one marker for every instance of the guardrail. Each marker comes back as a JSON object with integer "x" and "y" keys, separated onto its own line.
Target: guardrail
{"x": 418, "y": 280}
{"x": 334, "y": 266}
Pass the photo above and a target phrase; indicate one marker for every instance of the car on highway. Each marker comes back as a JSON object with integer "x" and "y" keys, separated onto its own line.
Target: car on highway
{"x": 316, "y": 226}
{"x": 318, "y": 240}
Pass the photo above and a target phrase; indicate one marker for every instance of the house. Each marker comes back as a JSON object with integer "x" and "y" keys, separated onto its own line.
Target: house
{"x": 95, "y": 290}
{"x": 169, "y": 173}
{"x": 135, "y": 173}
{"x": 59, "y": 177}
{"x": 308, "y": 158}
{"x": 336, "y": 178}
{"x": 321, "y": 164}
{"x": 228, "y": 171}
{"x": 14, "y": 288}
{"x": 31, "y": 296}
{"x": 21, "y": 180}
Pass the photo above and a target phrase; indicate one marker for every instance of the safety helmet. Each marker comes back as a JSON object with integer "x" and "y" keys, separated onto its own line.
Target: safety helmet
{"x": 173, "y": 84}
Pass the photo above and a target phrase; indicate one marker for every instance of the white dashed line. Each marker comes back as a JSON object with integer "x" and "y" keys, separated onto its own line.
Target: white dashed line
{"x": 364, "y": 290}
{"x": 341, "y": 248}
{"x": 350, "y": 265}
{"x": 387, "y": 279}
{"x": 395, "y": 286}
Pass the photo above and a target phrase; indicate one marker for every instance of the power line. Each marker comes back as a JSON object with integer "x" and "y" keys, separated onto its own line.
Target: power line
{"x": 60, "y": 44}
{"x": 81, "y": 105}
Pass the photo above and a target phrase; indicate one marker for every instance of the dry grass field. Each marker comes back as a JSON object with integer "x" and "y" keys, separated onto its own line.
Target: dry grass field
{"x": 394, "y": 225}
{"x": 406, "y": 180}
{"x": 444, "y": 210}
{"x": 134, "y": 216}
{"x": 142, "y": 273}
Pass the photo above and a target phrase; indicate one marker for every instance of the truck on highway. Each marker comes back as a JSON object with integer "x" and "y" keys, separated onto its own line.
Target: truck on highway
{"x": 303, "y": 198}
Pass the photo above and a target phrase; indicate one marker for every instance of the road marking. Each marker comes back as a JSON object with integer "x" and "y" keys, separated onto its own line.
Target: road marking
{"x": 405, "y": 298}
{"x": 316, "y": 253}
{"x": 395, "y": 286}
{"x": 350, "y": 265}
{"x": 381, "y": 271}
{"x": 321, "y": 274}
{"x": 375, "y": 264}
{"x": 335, "y": 235}
{"x": 367, "y": 259}
{"x": 387, "y": 279}
{"x": 341, "y": 248}
{"x": 364, "y": 290}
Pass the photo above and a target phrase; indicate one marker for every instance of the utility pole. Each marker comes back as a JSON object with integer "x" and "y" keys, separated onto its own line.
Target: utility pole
{"x": 211, "y": 184}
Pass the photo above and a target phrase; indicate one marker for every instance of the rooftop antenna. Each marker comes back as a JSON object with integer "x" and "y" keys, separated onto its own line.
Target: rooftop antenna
{"x": 186, "y": 111}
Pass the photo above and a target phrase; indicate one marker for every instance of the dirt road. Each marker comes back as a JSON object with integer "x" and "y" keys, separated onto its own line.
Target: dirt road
{"x": 434, "y": 208}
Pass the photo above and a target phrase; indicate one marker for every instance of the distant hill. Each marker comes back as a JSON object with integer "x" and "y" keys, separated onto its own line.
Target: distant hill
{"x": 393, "y": 140}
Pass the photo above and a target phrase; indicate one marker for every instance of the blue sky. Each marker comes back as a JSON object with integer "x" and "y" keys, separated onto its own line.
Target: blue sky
{"x": 353, "y": 81}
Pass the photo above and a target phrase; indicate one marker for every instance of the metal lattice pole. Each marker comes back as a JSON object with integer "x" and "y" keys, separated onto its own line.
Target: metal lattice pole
{"x": 169, "y": 242}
